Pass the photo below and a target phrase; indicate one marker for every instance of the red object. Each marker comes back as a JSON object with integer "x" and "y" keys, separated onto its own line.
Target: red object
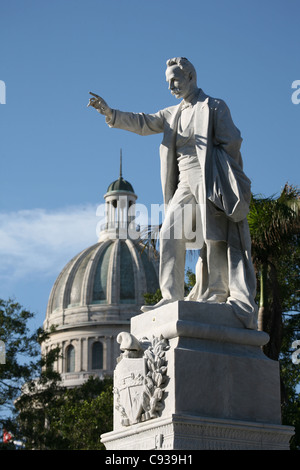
{"x": 6, "y": 436}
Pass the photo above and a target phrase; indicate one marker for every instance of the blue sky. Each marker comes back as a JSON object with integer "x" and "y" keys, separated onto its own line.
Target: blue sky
{"x": 57, "y": 157}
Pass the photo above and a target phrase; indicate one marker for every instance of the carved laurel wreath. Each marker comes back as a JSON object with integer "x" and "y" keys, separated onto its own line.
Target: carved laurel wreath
{"x": 155, "y": 378}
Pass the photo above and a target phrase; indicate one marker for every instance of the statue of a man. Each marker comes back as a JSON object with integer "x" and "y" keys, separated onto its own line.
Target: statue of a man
{"x": 201, "y": 168}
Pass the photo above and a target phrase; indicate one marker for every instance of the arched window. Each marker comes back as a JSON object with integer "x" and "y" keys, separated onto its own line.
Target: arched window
{"x": 70, "y": 358}
{"x": 97, "y": 355}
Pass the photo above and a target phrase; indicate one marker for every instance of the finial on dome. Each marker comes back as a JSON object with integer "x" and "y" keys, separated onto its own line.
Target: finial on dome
{"x": 120, "y": 184}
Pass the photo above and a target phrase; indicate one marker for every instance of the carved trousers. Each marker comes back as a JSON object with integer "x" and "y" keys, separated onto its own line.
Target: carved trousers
{"x": 178, "y": 228}
{"x": 224, "y": 271}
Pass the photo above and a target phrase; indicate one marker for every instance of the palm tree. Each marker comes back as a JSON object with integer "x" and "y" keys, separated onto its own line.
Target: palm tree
{"x": 274, "y": 224}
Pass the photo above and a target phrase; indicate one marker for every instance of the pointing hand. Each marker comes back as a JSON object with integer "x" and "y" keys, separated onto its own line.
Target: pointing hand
{"x": 100, "y": 105}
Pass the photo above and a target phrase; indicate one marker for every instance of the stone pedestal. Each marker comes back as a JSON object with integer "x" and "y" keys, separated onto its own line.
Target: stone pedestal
{"x": 207, "y": 385}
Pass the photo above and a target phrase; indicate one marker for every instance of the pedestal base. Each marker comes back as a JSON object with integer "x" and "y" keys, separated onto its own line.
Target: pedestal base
{"x": 207, "y": 385}
{"x": 183, "y": 432}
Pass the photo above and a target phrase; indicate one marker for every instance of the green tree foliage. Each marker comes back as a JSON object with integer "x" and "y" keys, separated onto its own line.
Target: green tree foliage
{"x": 52, "y": 417}
{"x": 289, "y": 282}
{"x": 84, "y": 414}
{"x": 190, "y": 281}
{"x": 152, "y": 298}
{"x": 290, "y": 373}
{"x": 24, "y": 377}
{"x": 274, "y": 226}
{"x": 42, "y": 413}
{"x": 34, "y": 407}
{"x": 21, "y": 352}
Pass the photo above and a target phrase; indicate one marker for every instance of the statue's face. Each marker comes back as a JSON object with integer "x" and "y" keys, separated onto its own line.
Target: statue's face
{"x": 180, "y": 84}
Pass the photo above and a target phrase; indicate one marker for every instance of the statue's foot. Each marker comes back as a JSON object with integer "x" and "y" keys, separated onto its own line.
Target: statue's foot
{"x": 147, "y": 308}
{"x": 215, "y": 298}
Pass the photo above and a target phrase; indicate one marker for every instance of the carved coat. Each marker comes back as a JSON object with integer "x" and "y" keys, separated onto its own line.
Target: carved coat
{"x": 225, "y": 188}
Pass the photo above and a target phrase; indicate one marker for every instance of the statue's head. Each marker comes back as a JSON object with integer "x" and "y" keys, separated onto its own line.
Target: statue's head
{"x": 181, "y": 76}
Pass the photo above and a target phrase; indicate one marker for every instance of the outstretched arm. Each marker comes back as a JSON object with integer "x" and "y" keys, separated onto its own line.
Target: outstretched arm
{"x": 140, "y": 123}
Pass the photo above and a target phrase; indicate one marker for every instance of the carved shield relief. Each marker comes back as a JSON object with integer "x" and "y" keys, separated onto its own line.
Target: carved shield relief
{"x": 129, "y": 384}
{"x": 139, "y": 381}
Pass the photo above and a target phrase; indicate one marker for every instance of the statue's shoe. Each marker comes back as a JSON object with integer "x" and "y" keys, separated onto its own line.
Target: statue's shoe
{"x": 161, "y": 303}
{"x": 215, "y": 298}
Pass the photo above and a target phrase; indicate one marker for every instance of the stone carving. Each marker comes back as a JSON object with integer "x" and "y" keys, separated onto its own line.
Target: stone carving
{"x": 202, "y": 181}
{"x": 131, "y": 346}
{"x": 140, "y": 378}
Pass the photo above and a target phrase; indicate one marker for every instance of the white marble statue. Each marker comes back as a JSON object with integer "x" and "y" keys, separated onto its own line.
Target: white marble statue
{"x": 201, "y": 167}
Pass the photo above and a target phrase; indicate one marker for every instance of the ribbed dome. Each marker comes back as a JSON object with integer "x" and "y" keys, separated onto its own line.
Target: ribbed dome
{"x": 120, "y": 185}
{"x": 104, "y": 282}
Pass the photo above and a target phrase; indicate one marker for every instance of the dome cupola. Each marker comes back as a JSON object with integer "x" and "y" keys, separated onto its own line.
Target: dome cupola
{"x": 119, "y": 209}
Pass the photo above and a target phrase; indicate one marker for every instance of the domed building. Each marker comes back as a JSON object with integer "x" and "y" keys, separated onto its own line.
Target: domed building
{"x": 99, "y": 291}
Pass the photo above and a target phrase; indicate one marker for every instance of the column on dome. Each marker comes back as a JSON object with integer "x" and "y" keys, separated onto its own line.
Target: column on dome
{"x": 118, "y": 210}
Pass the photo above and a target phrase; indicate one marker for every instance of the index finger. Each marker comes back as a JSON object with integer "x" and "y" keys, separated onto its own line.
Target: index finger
{"x": 96, "y": 96}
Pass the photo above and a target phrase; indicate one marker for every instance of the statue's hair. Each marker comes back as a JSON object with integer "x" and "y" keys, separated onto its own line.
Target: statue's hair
{"x": 185, "y": 65}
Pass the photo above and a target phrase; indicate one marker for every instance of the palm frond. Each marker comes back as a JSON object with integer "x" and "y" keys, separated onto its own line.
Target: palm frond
{"x": 273, "y": 221}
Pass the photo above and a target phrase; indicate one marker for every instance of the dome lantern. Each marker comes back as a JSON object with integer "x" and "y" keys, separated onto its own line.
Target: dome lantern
{"x": 119, "y": 208}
